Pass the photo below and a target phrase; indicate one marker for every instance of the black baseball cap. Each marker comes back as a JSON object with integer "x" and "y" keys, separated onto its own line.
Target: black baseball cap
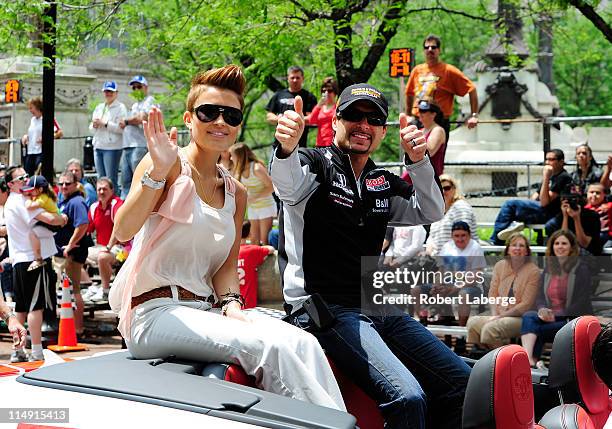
{"x": 35, "y": 182}
{"x": 460, "y": 226}
{"x": 362, "y": 91}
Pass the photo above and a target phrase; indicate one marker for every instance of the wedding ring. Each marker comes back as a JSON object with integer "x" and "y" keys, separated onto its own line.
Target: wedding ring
{"x": 414, "y": 143}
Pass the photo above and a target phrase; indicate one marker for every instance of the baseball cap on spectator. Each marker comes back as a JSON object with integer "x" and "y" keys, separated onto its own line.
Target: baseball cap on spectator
{"x": 110, "y": 85}
{"x": 139, "y": 79}
{"x": 363, "y": 91}
{"x": 35, "y": 182}
{"x": 460, "y": 226}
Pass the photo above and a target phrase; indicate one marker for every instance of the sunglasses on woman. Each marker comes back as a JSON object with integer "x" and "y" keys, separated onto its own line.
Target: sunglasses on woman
{"x": 355, "y": 115}
{"x": 210, "y": 112}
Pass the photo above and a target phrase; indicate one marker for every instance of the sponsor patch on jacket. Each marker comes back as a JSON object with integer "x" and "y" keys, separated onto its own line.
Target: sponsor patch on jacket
{"x": 378, "y": 184}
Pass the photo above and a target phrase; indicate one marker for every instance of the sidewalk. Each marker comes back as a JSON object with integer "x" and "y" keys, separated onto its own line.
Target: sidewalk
{"x": 97, "y": 340}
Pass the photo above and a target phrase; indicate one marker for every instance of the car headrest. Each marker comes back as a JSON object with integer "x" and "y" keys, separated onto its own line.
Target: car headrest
{"x": 499, "y": 393}
{"x": 571, "y": 368}
{"x": 569, "y": 416}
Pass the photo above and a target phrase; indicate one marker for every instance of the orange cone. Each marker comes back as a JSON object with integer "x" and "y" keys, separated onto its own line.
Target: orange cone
{"x": 67, "y": 339}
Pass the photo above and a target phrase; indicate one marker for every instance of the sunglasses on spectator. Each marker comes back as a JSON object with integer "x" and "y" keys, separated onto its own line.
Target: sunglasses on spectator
{"x": 447, "y": 188}
{"x": 430, "y": 47}
{"x": 65, "y": 183}
{"x": 551, "y": 159}
{"x": 354, "y": 115}
{"x": 324, "y": 90}
{"x": 21, "y": 178}
{"x": 210, "y": 112}
{"x": 135, "y": 87}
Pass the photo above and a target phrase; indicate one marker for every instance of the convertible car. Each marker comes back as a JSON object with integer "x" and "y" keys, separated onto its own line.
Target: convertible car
{"x": 115, "y": 390}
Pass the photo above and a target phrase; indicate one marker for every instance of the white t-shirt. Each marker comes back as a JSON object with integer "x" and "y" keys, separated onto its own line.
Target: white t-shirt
{"x": 35, "y": 135}
{"x": 133, "y": 135}
{"x": 19, "y": 222}
{"x": 472, "y": 255}
{"x": 407, "y": 242}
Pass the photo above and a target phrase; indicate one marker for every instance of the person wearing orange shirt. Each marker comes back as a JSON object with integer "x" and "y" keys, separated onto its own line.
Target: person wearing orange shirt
{"x": 438, "y": 82}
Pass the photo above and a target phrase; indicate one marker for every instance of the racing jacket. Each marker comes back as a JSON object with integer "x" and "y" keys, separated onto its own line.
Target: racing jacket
{"x": 330, "y": 218}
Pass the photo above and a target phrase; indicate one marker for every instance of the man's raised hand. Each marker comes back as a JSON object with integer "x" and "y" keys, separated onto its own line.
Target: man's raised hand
{"x": 290, "y": 126}
{"x": 411, "y": 139}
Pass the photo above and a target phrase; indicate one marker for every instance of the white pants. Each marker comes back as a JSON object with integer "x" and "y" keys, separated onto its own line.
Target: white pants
{"x": 284, "y": 359}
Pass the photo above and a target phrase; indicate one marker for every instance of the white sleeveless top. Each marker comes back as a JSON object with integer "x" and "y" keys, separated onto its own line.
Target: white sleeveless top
{"x": 187, "y": 254}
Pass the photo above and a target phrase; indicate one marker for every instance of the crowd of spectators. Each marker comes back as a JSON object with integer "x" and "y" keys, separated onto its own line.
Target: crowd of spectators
{"x": 574, "y": 206}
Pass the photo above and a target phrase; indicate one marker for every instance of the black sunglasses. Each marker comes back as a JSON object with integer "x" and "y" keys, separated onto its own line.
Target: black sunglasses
{"x": 64, "y": 183}
{"x": 446, "y": 188}
{"x": 431, "y": 47}
{"x": 135, "y": 87}
{"x": 354, "y": 115}
{"x": 210, "y": 112}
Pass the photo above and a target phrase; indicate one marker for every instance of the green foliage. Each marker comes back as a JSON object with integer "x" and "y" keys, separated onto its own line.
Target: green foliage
{"x": 171, "y": 40}
{"x": 582, "y": 66}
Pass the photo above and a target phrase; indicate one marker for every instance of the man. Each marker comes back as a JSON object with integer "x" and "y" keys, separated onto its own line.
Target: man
{"x": 542, "y": 208}
{"x": 583, "y": 222}
{"x": 337, "y": 205}
{"x": 462, "y": 254}
{"x": 73, "y": 240}
{"x": 284, "y": 100}
{"x": 438, "y": 82}
{"x": 101, "y": 221}
{"x": 87, "y": 189}
{"x": 134, "y": 142}
{"x": 35, "y": 289}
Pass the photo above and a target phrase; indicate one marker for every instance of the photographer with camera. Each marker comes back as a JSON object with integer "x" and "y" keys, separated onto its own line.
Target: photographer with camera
{"x": 584, "y": 223}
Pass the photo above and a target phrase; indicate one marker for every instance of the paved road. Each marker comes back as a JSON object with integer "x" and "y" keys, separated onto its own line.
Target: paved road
{"x": 98, "y": 338}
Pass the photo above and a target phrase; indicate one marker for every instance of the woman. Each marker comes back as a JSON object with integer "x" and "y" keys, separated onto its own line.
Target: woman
{"x": 225, "y": 159}
{"x": 456, "y": 209}
{"x": 587, "y": 171}
{"x": 108, "y": 135}
{"x": 324, "y": 111}
{"x": 73, "y": 240}
{"x": 434, "y": 134}
{"x": 514, "y": 285}
{"x": 565, "y": 293}
{"x": 33, "y": 139}
{"x": 252, "y": 173}
{"x": 188, "y": 214}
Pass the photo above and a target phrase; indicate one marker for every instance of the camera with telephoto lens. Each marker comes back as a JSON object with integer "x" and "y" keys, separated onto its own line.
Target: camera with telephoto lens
{"x": 574, "y": 200}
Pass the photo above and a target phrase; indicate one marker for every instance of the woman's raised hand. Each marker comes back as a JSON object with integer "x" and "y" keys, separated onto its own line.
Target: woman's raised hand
{"x": 162, "y": 145}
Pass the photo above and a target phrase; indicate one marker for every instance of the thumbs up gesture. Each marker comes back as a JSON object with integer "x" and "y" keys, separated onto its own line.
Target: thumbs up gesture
{"x": 290, "y": 126}
{"x": 411, "y": 139}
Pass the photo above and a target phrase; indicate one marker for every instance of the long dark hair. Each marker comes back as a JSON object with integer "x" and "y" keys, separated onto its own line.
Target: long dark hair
{"x": 552, "y": 262}
{"x": 592, "y": 162}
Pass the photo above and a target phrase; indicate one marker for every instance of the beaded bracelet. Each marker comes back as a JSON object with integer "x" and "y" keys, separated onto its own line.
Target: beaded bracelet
{"x": 231, "y": 297}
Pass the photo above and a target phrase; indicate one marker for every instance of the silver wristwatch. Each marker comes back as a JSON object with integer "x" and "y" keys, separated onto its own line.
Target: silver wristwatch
{"x": 153, "y": 184}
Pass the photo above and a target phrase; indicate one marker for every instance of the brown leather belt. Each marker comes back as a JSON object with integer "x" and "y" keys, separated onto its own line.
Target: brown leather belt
{"x": 166, "y": 292}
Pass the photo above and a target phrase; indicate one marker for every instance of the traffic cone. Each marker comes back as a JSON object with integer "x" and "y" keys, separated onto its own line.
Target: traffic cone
{"x": 67, "y": 339}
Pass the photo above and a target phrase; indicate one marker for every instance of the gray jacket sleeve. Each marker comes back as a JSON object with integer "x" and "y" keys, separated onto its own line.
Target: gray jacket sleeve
{"x": 426, "y": 204}
{"x": 293, "y": 181}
